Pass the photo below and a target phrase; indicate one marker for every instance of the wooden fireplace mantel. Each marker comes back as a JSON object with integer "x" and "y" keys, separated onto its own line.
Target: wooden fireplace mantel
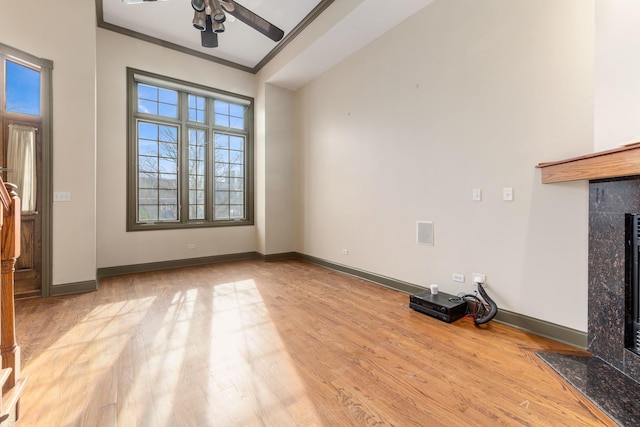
{"x": 623, "y": 161}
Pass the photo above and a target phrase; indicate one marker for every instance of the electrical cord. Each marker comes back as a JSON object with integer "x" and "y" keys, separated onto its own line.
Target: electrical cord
{"x": 493, "y": 307}
{"x": 482, "y": 308}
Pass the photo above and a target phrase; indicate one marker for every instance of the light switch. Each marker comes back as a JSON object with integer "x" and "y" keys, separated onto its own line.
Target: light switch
{"x": 507, "y": 193}
{"x": 477, "y": 194}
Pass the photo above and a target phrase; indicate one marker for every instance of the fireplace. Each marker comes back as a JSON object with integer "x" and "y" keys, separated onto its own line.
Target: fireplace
{"x": 611, "y": 314}
{"x": 611, "y": 376}
{"x": 632, "y": 326}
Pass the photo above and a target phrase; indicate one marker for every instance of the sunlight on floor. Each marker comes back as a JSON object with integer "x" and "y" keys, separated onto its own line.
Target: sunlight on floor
{"x": 88, "y": 350}
{"x": 202, "y": 356}
{"x": 249, "y": 367}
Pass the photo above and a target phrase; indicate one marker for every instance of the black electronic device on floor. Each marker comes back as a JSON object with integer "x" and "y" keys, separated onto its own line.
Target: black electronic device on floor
{"x": 445, "y": 307}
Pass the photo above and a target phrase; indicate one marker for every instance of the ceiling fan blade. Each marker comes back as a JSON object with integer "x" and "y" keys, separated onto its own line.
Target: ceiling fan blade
{"x": 256, "y": 22}
{"x": 208, "y": 37}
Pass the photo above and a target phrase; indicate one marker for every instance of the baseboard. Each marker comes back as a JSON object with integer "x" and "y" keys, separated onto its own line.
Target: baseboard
{"x": 165, "y": 265}
{"x": 519, "y": 321}
{"x": 279, "y": 257}
{"x": 74, "y": 288}
{"x": 371, "y": 277}
{"x": 543, "y": 328}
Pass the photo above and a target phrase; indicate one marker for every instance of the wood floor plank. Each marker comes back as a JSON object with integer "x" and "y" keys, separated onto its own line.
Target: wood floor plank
{"x": 277, "y": 344}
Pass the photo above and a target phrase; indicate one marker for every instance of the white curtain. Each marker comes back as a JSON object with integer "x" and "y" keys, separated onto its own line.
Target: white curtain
{"x": 21, "y": 164}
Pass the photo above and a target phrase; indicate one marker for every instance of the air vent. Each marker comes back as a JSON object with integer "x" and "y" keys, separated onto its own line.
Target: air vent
{"x": 424, "y": 233}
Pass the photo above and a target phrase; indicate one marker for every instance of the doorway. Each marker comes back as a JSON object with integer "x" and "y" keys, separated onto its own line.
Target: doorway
{"x": 16, "y": 133}
{"x": 25, "y": 160}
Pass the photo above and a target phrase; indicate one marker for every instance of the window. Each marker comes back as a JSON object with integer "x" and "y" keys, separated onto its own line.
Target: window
{"x": 190, "y": 155}
{"x": 21, "y": 88}
{"x": 21, "y": 123}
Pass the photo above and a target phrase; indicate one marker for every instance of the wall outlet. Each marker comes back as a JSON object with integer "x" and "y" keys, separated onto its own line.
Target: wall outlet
{"x": 191, "y": 245}
{"x": 345, "y": 252}
{"x": 61, "y": 196}
{"x": 479, "y": 278}
{"x": 477, "y": 195}
{"x": 457, "y": 277}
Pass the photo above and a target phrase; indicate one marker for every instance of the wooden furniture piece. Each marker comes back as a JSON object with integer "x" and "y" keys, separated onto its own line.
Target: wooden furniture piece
{"x": 12, "y": 384}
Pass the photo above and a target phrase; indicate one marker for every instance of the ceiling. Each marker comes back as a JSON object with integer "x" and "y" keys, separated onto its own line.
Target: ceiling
{"x": 169, "y": 23}
{"x": 350, "y": 25}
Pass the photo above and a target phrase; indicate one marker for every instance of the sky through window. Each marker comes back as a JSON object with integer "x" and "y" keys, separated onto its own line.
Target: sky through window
{"x": 22, "y": 89}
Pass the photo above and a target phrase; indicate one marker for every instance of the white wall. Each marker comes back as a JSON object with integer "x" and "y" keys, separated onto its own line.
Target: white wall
{"x": 465, "y": 94}
{"x": 260, "y": 151}
{"x": 276, "y": 138}
{"x": 65, "y": 32}
{"x": 617, "y": 71}
{"x": 279, "y": 176}
{"x": 116, "y": 247}
{"x": 275, "y": 178}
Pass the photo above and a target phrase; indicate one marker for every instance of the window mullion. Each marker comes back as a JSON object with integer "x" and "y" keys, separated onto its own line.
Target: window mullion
{"x": 211, "y": 176}
{"x": 210, "y": 165}
{"x": 183, "y": 163}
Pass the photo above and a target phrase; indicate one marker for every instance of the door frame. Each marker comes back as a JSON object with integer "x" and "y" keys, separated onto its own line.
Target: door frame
{"x": 46, "y": 115}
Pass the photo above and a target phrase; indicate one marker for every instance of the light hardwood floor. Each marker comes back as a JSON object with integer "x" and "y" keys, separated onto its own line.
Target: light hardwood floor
{"x": 285, "y": 343}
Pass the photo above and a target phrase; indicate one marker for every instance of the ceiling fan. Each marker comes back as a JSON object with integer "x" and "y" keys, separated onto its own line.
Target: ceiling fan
{"x": 209, "y": 17}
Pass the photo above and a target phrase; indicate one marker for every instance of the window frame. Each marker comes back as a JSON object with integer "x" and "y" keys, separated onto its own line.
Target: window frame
{"x": 135, "y": 76}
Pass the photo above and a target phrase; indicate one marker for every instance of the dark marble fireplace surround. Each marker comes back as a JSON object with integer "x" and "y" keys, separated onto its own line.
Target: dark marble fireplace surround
{"x": 609, "y": 201}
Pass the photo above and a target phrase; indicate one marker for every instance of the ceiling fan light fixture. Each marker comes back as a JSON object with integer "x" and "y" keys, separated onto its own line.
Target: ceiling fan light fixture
{"x": 198, "y": 5}
{"x": 217, "y": 14}
{"x": 137, "y": 1}
{"x": 208, "y": 37}
{"x": 227, "y": 5}
{"x": 199, "y": 20}
{"x": 218, "y": 27}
